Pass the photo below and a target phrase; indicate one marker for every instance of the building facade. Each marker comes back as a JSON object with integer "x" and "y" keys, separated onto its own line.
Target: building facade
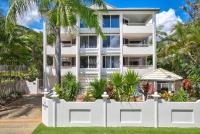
{"x": 130, "y": 43}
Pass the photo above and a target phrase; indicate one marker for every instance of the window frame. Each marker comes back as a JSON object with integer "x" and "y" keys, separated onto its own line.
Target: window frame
{"x": 111, "y": 21}
{"x": 110, "y": 62}
{"x": 88, "y": 45}
{"x": 88, "y": 62}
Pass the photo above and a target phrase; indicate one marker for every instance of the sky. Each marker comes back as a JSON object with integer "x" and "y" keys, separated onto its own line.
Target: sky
{"x": 170, "y": 12}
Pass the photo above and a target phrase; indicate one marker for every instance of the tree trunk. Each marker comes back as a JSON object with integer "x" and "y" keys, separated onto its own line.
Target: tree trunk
{"x": 58, "y": 56}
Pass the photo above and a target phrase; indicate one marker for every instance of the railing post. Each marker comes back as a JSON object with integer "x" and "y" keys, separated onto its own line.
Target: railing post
{"x": 105, "y": 98}
{"x": 156, "y": 97}
{"x": 54, "y": 96}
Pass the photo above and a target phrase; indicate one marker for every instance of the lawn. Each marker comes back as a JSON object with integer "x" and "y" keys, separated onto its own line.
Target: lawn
{"x": 41, "y": 129}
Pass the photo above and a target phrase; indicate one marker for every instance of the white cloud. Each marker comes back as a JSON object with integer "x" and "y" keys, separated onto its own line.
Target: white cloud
{"x": 38, "y": 30}
{"x": 167, "y": 19}
{"x": 29, "y": 17}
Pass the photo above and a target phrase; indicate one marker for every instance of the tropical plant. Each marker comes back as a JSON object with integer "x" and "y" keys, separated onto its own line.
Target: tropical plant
{"x": 179, "y": 51}
{"x": 58, "y": 13}
{"x": 69, "y": 88}
{"x": 117, "y": 81}
{"x": 180, "y": 96}
{"x": 125, "y": 85}
{"x": 88, "y": 97}
{"x": 131, "y": 81}
{"x": 98, "y": 87}
{"x": 192, "y": 8}
{"x": 110, "y": 90}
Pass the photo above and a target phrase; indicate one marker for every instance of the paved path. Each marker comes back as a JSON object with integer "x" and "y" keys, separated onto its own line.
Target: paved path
{"x": 22, "y": 116}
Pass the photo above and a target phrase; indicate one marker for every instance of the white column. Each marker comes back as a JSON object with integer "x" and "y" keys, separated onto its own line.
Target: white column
{"x": 154, "y": 41}
{"x": 45, "y": 86}
{"x": 77, "y": 56}
{"x": 121, "y": 43}
{"x": 77, "y": 49}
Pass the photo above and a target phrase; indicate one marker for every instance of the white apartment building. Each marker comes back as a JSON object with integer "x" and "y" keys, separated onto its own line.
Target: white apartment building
{"x": 130, "y": 44}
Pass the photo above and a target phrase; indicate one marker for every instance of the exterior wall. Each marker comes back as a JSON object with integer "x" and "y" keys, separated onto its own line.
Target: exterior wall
{"x": 109, "y": 113}
{"x": 130, "y": 30}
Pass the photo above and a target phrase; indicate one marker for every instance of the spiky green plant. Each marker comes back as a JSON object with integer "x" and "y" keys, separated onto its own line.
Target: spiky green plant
{"x": 98, "y": 87}
{"x": 117, "y": 81}
{"x": 131, "y": 81}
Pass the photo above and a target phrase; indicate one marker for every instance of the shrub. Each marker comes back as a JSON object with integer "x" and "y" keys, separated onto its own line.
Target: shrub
{"x": 88, "y": 97}
{"x": 98, "y": 87}
{"x": 110, "y": 90}
{"x": 32, "y": 73}
{"x": 69, "y": 88}
{"x": 131, "y": 81}
{"x": 180, "y": 96}
{"x": 117, "y": 81}
{"x": 125, "y": 85}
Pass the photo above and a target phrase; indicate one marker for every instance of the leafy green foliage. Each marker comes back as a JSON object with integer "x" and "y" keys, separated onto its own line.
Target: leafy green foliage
{"x": 69, "y": 88}
{"x": 32, "y": 73}
{"x": 179, "y": 51}
{"x": 131, "y": 81}
{"x": 125, "y": 85}
{"x": 180, "y": 96}
{"x": 58, "y": 13}
{"x": 98, "y": 87}
{"x": 117, "y": 81}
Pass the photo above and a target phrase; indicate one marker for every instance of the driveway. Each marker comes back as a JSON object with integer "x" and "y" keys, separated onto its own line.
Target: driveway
{"x": 22, "y": 116}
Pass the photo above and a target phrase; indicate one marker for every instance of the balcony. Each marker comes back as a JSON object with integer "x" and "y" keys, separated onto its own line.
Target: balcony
{"x": 66, "y": 49}
{"x": 111, "y": 30}
{"x": 140, "y": 69}
{"x": 109, "y": 70}
{"x": 110, "y": 51}
{"x": 89, "y": 71}
{"x": 64, "y": 70}
{"x": 137, "y": 49}
{"x": 87, "y": 30}
{"x": 88, "y": 50}
{"x": 137, "y": 28}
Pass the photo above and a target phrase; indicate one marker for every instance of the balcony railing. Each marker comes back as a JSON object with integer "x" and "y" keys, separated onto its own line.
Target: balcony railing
{"x": 67, "y": 44}
{"x": 138, "y": 45}
{"x": 138, "y": 24}
{"x": 139, "y": 66}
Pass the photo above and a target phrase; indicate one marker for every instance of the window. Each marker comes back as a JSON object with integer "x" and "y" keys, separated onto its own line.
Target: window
{"x": 68, "y": 61}
{"x": 115, "y": 21}
{"x": 111, "y": 62}
{"x": 106, "y": 21}
{"x": 88, "y": 62}
{"x": 88, "y": 41}
{"x": 111, "y": 21}
{"x": 112, "y": 42}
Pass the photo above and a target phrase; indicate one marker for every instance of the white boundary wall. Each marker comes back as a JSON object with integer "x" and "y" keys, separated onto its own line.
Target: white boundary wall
{"x": 109, "y": 113}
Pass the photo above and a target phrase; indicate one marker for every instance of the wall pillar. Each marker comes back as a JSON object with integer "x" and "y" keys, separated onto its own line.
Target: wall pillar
{"x": 156, "y": 97}
{"x": 105, "y": 98}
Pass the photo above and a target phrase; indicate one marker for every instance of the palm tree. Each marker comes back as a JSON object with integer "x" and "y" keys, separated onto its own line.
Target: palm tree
{"x": 58, "y": 13}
